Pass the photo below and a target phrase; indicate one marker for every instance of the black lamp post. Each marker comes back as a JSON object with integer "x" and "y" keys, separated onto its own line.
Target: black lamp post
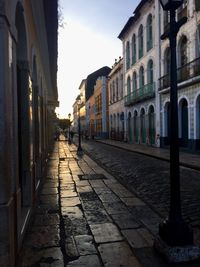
{"x": 79, "y": 149}
{"x": 69, "y": 138}
{"x": 174, "y": 231}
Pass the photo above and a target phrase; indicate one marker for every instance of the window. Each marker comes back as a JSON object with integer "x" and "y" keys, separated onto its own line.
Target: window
{"x": 121, "y": 84}
{"x": 127, "y": 55}
{"x": 150, "y": 72}
{"x": 198, "y": 41}
{"x": 166, "y": 20}
{"x": 141, "y": 77}
{"x": 134, "y": 81}
{"x": 113, "y": 91}
{"x": 167, "y": 61}
{"x": 133, "y": 49}
{"x": 128, "y": 85}
{"x": 117, "y": 89}
{"x": 183, "y": 51}
{"x": 149, "y": 33}
{"x": 182, "y": 10}
{"x": 140, "y": 41}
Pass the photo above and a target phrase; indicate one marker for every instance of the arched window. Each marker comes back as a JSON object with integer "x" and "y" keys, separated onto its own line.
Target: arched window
{"x": 133, "y": 49}
{"x": 142, "y": 126}
{"x": 121, "y": 84}
{"x": 117, "y": 89}
{"x": 113, "y": 91}
{"x": 198, "y": 41}
{"x": 151, "y": 116}
{"x": 149, "y": 32}
{"x": 150, "y": 72}
{"x": 135, "y": 126}
{"x": 134, "y": 81}
{"x": 167, "y": 61}
{"x": 198, "y": 119}
{"x": 166, "y": 20}
{"x": 141, "y": 77}
{"x": 130, "y": 136}
{"x": 128, "y": 85}
{"x": 183, "y": 120}
{"x": 183, "y": 51}
{"x": 182, "y": 10}
{"x": 127, "y": 55}
{"x": 140, "y": 42}
{"x": 183, "y": 72}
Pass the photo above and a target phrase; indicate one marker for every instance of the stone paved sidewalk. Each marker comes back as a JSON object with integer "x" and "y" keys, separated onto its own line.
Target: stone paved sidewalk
{"x": 85, "y": 217}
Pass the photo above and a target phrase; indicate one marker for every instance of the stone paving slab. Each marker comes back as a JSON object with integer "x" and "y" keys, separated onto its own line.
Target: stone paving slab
{"x": 49, "y": 191}
{"x": 118, "y": 254}
{"x": 97, "y": 183}
{"x": 105, "y": 232}
{"x": 71, "y": 248}
{"x": 125, "y": 221}
{"x": 68, "y": 193}
{"x": 138, "y": 238}
{"x": 108, "y": 197}
{"x": 97, "y": 216}
{"x": 86, "y": 188}
{"x": 86, "y": 261}
{"x": 115, "y": 207}
{"x": 132, "y": 201}
{"x": 46, "y": 219}
{"x": 51, "y": 257}
{"x": 43, "y": 237}
{"x": 70, "y": 201}
{"x": 92, "y": 205}
{"x": 85, "y": 245}
{"x": 75, "y": 226}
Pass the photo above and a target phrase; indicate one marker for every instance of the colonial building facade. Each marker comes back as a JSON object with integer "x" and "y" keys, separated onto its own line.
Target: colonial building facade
{"x": 188, "y": 64}
{"x": 28, "y": 97}
{"x": 101, "y": 107}
{"x": 140, "y": 75}
{"x": 146, "y": 75}
{"x": 116, "y": 101}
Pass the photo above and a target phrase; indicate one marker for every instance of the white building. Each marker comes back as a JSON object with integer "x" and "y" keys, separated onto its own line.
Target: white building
{"x": 140, "y": 53}
{"x": 146, "y": 75}
{"x": 188, "y": 64}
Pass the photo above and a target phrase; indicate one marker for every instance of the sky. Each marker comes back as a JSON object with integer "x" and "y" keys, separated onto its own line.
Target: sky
{"x": 86, "y": 42}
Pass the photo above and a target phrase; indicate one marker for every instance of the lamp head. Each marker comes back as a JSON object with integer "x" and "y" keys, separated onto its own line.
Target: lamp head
{"x": 171, "y": 4}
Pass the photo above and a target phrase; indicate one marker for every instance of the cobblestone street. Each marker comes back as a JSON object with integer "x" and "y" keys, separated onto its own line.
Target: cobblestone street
{"x": 85, "y": 217}
{"x": 148, "y": 177}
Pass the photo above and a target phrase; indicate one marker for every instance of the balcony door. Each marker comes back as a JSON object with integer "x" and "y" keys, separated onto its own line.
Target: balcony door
{"x": 184, "y": 122}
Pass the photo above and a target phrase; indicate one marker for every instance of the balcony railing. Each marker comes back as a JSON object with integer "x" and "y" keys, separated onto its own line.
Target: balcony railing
{"x": 145, "y": 92}
{"x": 184, "y": 73}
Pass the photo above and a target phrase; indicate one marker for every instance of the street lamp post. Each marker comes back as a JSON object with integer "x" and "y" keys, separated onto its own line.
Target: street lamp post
{"x": 79, "y": 149}
{"x": 174, "y": 231}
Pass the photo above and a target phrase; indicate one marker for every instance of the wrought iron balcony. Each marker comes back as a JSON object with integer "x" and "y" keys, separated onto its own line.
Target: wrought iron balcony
{"x": 145, "y": 92}
{"x": 184, "y": 73}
